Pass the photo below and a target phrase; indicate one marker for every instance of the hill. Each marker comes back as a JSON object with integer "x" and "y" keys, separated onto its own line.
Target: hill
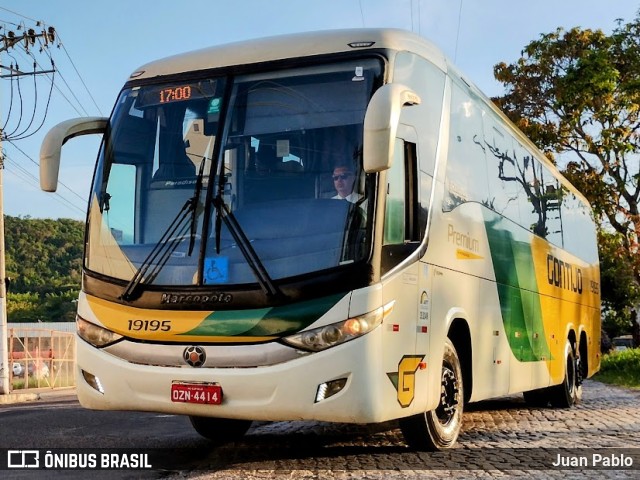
{"x": 43, "y": 265}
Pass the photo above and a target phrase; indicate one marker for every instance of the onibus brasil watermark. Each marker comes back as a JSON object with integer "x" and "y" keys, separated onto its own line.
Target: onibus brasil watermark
{"x": 71, "y": 460}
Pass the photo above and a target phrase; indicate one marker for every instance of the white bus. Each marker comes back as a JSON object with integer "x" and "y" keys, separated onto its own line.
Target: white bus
{"x": 331, "y": 226}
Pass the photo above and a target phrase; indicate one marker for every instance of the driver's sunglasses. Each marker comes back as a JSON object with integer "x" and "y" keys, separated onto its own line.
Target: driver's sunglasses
{"x": 342, "y": 176}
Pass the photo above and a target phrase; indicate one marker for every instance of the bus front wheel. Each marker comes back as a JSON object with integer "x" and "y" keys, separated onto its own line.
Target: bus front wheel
{"x": 438, "y": 429}
{"x": 220, "y": 430}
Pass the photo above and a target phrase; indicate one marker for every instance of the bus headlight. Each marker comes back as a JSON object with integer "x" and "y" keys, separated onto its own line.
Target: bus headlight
{"x": 95, "y": 335}
{"x": 321, "y": 338}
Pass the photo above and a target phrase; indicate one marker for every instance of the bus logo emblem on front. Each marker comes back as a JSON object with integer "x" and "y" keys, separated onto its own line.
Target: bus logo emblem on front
{"x": 194, "y": 356}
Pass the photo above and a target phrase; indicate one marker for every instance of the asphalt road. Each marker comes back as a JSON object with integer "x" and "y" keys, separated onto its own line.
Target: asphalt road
{"x": 501, "y": 439}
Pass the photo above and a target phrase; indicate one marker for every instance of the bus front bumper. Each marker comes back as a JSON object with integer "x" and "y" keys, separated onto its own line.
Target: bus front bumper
{"x": 286, "y": 391}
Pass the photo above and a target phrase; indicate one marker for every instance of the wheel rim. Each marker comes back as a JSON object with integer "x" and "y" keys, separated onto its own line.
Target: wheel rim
{"x": 571, "y": 374}
{"x": 447, "y": 409}
{"x": 578, "y": 367}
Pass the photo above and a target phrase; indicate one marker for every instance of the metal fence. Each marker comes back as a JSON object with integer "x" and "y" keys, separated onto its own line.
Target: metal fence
{"x": 41, "y": 358}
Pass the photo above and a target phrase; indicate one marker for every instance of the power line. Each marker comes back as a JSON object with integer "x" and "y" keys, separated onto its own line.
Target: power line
{"x": 455, "y": 55}
{"x": 413, "y": 28}
{"x": 24, "y": 173}
{"x": 4, "y": 135}
{"x": 19, "y": 15}
{"x": 23, "y": 41}
{"x": 35, "y": 105}
{"x": 10, "y": 108}
{"x": 80, "y": 76}
{"x": 10, "y": 23}
{"x": 44, "y": 40}
{"x": 12, "y": 41}
{"x": 32, "y": 181}
{"x": 411, "y": 6}
{"x": 81, "y": 197}
{"x": 58, "y": 89}
{"x": 82, "y": 111}
{"x": 22, "y": 135}
{"x": 70, "y": 90}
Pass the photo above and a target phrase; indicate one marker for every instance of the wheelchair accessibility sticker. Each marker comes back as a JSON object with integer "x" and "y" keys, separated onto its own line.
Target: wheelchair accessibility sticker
{"x": 216, "y": 270}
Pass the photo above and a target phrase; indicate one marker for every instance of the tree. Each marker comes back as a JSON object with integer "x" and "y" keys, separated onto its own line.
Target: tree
{"x": 616, "y": 279}
{"x": 576, "y": 94}
{"x": 44, "y": 262}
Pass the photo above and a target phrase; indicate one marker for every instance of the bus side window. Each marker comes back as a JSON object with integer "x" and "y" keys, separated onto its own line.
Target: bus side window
{"x": 402, "y": 231}
{"x": 394, "y": 216}
{"x": 466, "y": 179}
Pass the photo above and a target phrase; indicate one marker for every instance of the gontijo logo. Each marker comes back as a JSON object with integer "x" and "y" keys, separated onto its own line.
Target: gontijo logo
{"x": 564, "y": 275}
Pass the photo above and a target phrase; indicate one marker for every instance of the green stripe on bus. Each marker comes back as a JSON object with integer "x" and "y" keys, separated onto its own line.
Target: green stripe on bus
{"x": 517, "y": 289}
{"x": 275, "y": 321}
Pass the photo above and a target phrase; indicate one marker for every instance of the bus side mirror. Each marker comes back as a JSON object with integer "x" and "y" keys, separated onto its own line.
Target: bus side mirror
{"x": 381, "y": 123}
{"x": 55, "y": 138}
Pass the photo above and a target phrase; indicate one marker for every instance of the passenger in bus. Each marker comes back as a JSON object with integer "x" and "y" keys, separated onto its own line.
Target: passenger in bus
{"x": 344, "y": 180}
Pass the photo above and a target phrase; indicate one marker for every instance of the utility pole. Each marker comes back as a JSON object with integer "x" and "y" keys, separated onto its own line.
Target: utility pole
{"x": 26, "y": 40}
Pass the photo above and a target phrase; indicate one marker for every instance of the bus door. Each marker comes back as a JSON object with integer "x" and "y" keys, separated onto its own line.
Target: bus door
{"x": 401, "y": 269}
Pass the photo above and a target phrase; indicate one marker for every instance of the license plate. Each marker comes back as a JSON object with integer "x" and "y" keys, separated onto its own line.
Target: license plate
{"x": 206, "y": 393}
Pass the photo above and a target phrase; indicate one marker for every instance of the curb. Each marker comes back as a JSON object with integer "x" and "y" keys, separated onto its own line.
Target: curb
{"x": 12, "y": 398}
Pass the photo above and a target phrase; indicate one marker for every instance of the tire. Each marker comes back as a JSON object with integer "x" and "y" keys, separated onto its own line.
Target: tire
{"x": 438, "y": 429}
{"x": 537, "y": 398}
{"x": 569, "y": 392}
{"x": 220, "y": 430}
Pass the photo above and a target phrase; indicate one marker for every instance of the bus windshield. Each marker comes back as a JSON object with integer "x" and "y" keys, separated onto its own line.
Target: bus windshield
{"x": 211, "y": 180}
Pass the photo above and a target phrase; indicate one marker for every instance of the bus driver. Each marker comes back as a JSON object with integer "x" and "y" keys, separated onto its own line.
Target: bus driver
{"x": 343, "y": 181}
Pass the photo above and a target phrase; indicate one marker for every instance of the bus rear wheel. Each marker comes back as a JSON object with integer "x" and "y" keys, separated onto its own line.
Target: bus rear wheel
{"x": 537, "y": 398}
{"x": 438, "y": 429}
{"x": 220, "y": 430}
{"x": 569, "y": 392}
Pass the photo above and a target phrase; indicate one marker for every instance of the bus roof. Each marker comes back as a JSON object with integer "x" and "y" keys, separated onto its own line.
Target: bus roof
{"x": 307, "y": 44}
{"x": 291, "y": 46}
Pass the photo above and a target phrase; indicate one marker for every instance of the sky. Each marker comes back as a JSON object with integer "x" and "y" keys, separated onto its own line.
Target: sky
{"x": 102, "y": 43}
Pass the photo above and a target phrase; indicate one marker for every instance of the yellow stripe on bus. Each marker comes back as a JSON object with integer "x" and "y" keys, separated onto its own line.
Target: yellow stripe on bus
{"x": 118, "y": 318}
{"x": 466, "y": 255}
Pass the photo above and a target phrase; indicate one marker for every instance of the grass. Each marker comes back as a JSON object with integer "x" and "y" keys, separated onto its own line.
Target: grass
{"x": 19, "y": 384}
{"x": 621, "y": 368}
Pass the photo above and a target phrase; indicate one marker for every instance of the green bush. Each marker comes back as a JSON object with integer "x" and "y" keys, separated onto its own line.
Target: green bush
{"x": 621, "y": 368}
{"x": 622, "y": 360}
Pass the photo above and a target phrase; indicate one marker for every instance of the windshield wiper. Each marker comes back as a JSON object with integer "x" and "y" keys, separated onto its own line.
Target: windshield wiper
{"x": 175, "y": 233}
{"x": 224, "y": 214}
